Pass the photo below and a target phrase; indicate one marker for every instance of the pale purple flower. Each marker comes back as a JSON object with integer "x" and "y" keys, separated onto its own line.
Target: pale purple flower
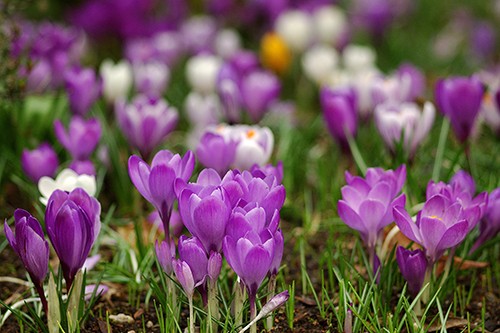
{"x": 146, "y": 122}
{"x": 367, "y": 203}
{"x": 404, "y": 124}
{"x": 156, "y": 182}
{"x": 165, "y": 252}
{"x": 83, "y": 88}
{"x": 165, "y": 47}
{"x": 267, "y": 170}
{"x": 244, "y": 62}
{"x": 39, "y": 162}
{"x": 73, "y": 224}
{"x": 192, "y": 252}
{"x": 440, "y": 225}
{"x": 185, "y": 276}
{"x": 81, "y": 138}
{"x": 340, "y": 113}
{"x": 416, "y": 78}
{"x": 39, "y": 77}
{"x": 459, "y": 99}
{"x": 412, "y": 265}
{"x": 151, "y": 78}
{"x": 198, "y": 34}
{"x": 229, "y": 91}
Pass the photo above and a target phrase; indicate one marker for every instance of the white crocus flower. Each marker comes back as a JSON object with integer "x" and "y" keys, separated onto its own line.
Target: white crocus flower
{"x": 357, "y": 58}
{"x": 67, "y": 180}
{"x": 201, "y": 72}
{"x": 296, "y": 29}
{"x": 405, "y": 122}
{"x": 116, "y": 79}
{"x": 319, "y": 62}
{"x": 255, "y": 146}
{"x": 330, "y": 24}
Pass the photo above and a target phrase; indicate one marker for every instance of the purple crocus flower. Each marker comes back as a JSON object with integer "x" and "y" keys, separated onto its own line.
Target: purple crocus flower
{"x": 267, "y": 170}
{"x": 244, "y": 62}
{"x": 216, "y": 151}
{"x": 73, "y": 224}
{"x": 462, "y": 190}
{"x": 30, "y": 245}
{"x": 440, "y": 225}
{"x": 339, "y": 112}
{"x": 165, "y": 252}
{"x": 489, "y": 226}
{"x": 39, "y": 162}
{"x": 156, "y": 182}
{"x": 251, "y": 257}
{"x": 205, "y": 215}
{"x": 83, "y": 88}
{"x": 146, "y": 122}
{"x": 81, "y": 138}
{"x": 39, "y": 77}
{"x": 366, "y": 204}
{"x": 258, "y": 90}
{"x": 185, "y": 276}
{"x": 192, "y": 252}
{"x": 459, "y": 98}
{"x": 412, "y": 265}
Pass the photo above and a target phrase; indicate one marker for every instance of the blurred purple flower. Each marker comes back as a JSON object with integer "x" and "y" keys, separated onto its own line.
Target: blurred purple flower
{"x": 440, "y": 225}
{"x": 412, "y": 265}
{"x": 258, "y": 90}
{"x": 151, "y": 78}
{"x": 73, "y": 224}
{"x": 39, "y": 77}
{"x": 229, "y": 91}
{"x": 366, "y": 204}
{"x": 198, "y": 34}
{"x": 416, "y": 78}
{"x": 83, "y": 167}
{"x": 83, "y": 88}
{"x": 483, "y": 40}
{"x": 340, "y": 113}
{"x": 267, "y": 170}
{"x": 459, "y": 99}
{"x": 39, "y": 162}
{"x": 156, "y": 182}
{"x": 146, "y": 122}
{"x": 81, "y": 138}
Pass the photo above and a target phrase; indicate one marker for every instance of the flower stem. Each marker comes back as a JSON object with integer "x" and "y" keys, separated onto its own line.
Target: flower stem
{"x": 253, "y": 311}
{"x": 213, "y": 306}
{"x": 191, "y": 314}
{"x": 239, "y": 296}
{"x": 427, "y": 279}
{"x": 438, "y": 162}
{"x": 271, "y": 286}
{"x": 447, "y": 266}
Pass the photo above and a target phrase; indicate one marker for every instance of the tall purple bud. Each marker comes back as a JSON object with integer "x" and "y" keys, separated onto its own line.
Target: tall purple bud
{"x": 340, "y": 113}
{"x": 73, "y": 224}
{"x": 30, "y": 245}
{"x": 459, "y": 98}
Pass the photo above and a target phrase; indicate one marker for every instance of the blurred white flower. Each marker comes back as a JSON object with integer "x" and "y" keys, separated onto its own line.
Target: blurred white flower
{"x": 227, "y": 42}
{"x": 319, "y": 62}
{"x": 255, "y": 146}
{"x": 201, "y": 72}
{"x": 116, "y": 79}
{"x": 296, "y": 29}
{"x": 357, "y": 58}
{"x": 330, "y": 24}
{"x": 67, "y": 180}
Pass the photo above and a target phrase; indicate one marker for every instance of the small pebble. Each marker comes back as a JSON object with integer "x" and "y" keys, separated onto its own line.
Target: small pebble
{"x": 121, "y": 319}
{"x": 131, "y": 331}
{"x": 149, "y": 324}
